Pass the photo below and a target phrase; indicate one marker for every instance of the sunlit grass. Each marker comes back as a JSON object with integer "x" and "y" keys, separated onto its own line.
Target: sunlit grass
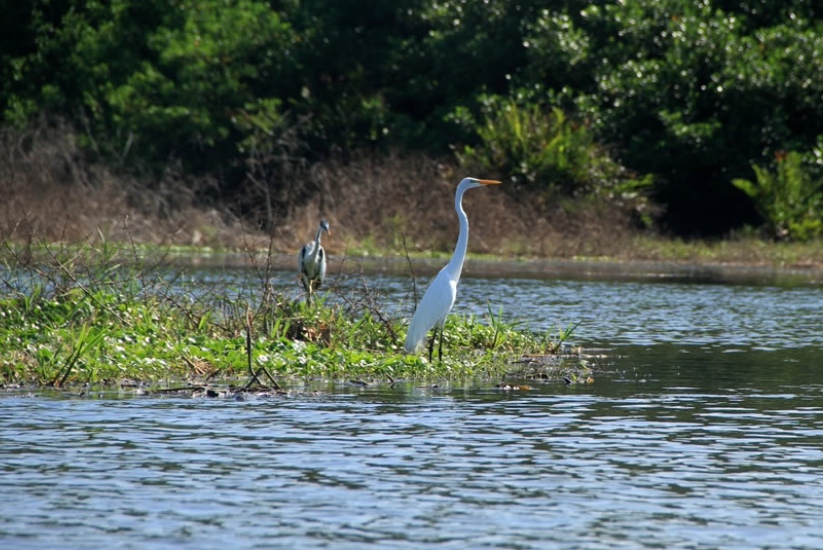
{"x": 745, "y": 250}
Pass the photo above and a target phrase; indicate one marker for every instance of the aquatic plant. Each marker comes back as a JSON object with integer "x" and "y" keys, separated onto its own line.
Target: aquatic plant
{"x": 104, "y": 315}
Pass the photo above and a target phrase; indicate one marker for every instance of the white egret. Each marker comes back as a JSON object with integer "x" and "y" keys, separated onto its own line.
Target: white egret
{"x": 312, "y": 261}
{"x": 439, "y": 298}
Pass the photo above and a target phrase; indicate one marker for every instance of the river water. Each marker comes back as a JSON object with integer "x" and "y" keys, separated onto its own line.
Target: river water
{"x": 703, "y": 429}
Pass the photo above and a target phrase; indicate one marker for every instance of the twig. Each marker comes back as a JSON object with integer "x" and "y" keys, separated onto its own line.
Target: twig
{"x": 253, "y": 375}
{"x": 182, "y": 388}
{"x": 411, "y": 270}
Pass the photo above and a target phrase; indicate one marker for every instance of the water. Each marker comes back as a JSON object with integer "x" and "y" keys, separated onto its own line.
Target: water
{"x": 703, "y": 429}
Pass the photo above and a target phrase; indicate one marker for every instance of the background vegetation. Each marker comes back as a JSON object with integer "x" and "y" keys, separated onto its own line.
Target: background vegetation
{"x": 692, "y": 106}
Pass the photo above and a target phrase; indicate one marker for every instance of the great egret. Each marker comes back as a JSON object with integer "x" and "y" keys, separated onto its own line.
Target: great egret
{"x": 439, "y": 298}
{"x": 312, "y": 261}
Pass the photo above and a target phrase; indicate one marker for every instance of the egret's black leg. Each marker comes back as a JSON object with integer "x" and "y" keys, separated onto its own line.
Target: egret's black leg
{"x": 440, "y": 348}
{"x": 431, "y": 344}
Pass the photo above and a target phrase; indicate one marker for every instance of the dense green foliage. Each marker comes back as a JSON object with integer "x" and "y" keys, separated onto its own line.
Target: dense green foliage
{"x": 694, "y": 93}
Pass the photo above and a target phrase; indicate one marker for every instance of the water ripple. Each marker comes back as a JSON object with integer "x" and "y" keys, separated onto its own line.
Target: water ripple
{"x": 473, "y": 469}
{"x": 608, "y": 312}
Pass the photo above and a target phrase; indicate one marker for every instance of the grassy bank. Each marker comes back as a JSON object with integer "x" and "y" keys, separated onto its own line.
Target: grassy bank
{"x": 101, "y": 316}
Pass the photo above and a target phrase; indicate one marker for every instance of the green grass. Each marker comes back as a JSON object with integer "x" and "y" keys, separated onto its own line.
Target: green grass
{"x": 742, "y": 249}
{"x": 99, "y": 316}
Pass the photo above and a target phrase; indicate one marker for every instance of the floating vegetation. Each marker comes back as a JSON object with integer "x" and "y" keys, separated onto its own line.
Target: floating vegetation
{"x": 99, "y": 317}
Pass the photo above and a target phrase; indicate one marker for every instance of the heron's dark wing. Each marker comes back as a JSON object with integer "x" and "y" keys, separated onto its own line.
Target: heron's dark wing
{"x": 301, "y": 259}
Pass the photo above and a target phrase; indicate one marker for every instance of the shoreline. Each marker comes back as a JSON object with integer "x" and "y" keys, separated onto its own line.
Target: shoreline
{"x": 579, "y": 268}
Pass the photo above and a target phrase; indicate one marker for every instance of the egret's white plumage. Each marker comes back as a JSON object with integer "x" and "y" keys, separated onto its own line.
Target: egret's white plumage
{"x": 439, "y": 298}
{"x": 312, "y": 261}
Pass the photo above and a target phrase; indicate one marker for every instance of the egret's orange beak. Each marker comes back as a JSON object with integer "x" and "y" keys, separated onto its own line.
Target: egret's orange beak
{"x": 488, "y": 182}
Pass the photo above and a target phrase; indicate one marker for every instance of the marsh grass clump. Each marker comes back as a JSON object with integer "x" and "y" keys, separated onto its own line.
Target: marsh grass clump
{"x": 102, "y": 315}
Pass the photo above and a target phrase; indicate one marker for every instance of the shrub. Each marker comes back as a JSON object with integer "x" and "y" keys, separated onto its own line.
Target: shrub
{"x": 695, "y": 93}
{"x": 543, "y": 150}
{"x": 789, "y": 198}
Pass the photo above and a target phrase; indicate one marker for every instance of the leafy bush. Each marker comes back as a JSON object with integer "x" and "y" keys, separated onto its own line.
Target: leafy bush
{"x": 789, "y": 198}
{"x": 157, "y": 79}
{"x": 543, "y": 151}
{"x": 696, "y": 93}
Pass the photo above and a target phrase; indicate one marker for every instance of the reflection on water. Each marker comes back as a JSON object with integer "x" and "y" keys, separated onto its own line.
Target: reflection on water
{"x": 652, "y": 313}
{"x": 703, "y": 429}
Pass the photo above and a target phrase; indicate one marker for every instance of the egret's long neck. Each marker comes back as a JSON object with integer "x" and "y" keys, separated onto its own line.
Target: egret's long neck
{"x": 455, "y": 265}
